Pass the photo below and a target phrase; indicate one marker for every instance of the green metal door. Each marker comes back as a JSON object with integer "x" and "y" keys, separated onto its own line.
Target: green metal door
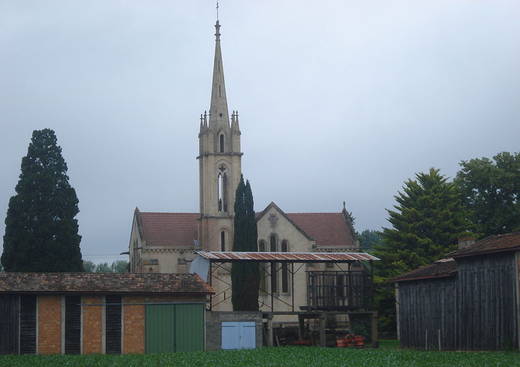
{"x": 189, "y": 327}
{"x": 174, "y": 328}
{"x": 160, "y": 329}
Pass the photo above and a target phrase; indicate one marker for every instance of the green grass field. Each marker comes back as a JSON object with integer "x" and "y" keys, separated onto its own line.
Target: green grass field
{"x": 386, "y": 356}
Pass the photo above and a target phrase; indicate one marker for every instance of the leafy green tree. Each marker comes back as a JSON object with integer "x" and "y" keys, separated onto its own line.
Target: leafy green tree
{"x": 119, "y": 266}
{"x": 426, "y": 223}
{"x": 41, "y": 232}
{"x": 104, "y": 268}
{"x": 491, "y": 192}
{"x": 245, "y": 277}
{"x": 369, "y": 238}
{"x": 89, "y": 266}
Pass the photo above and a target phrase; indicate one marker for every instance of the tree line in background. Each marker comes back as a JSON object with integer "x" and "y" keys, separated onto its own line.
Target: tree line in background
{"x": 432, "y": 212}
{"x": 119, "y": 266}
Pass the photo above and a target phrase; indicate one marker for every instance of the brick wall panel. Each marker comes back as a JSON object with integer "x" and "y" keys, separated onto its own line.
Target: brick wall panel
{"x": 133, "y": 325}
{"x": 49, "y": 324}
{"x": 92, "y": 325}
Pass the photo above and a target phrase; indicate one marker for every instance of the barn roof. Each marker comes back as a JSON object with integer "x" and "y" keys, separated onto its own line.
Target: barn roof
{"x": 302, "y": 257}
{"x": 440, "y": 269}
{"x": 133, "y": 283}
{"x": 492, "y": 244}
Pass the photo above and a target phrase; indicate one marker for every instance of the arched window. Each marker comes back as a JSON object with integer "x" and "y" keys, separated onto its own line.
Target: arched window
{"x": 221, "y": 143}
{"x": 285, "y": 269}
{"x": 222, "y": 189}
{"x": 261, "y": 246}
{"x": 222, "y": 241}
{"x": 263, "y": 268}
{"x": 274, "y": 270}
{"x": 272, "y": 241}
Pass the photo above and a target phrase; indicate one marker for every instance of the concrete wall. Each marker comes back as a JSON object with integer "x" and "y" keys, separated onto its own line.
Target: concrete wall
{"x": 214, "y": 326}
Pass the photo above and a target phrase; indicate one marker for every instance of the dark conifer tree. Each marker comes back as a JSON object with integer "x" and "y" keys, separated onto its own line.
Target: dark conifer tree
{"x": 41, "y": 233}
{"x": 245, "y": 277}
{"x": 426, "y": 223}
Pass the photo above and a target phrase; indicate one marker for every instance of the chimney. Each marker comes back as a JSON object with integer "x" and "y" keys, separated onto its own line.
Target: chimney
{"x": 465, "y": 242}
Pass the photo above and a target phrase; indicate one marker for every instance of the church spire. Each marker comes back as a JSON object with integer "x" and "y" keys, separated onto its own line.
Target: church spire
{"x": 219, "y": 108}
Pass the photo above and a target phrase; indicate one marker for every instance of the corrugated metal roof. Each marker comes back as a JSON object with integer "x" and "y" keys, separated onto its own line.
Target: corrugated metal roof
{"x": 228, "y": 256}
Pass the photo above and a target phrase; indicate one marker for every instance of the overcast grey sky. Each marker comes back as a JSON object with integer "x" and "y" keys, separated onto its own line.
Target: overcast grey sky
{"x": 339, "y": 100}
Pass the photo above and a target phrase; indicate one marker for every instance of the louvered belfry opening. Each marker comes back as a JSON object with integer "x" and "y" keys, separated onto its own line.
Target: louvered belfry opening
{"x": 27, "y": 324}
{"x": 113, "y": 324}
{"x": 73, "y": 325}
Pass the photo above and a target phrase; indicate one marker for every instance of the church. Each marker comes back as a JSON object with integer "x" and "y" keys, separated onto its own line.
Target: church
{"x": 168, "y": 242}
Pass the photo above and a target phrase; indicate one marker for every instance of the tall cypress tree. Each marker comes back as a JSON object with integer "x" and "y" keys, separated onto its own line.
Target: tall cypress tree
{"x": 245, "y": 277}
{"x": 41, "y": 233}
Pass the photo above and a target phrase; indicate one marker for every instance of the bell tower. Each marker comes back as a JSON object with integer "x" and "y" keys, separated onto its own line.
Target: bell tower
{"x": 219, "y": 163}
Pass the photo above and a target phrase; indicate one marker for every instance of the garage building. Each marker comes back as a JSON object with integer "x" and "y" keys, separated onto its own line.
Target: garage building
{"x": 84, "y": 313}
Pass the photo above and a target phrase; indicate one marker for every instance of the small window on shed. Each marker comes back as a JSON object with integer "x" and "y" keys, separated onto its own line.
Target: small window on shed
{"x": 72, "y": 325}
{"x": 113, "y": 324}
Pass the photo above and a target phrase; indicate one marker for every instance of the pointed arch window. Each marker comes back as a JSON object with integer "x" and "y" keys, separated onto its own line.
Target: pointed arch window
{"x": 274, "y": 270}
{"x": 223, "y": 241}
{"x": 222, "y": 189}
{"x": 263, "y": 268}
{"x": 285, "y": 268}
{"x": 221, "y": 141}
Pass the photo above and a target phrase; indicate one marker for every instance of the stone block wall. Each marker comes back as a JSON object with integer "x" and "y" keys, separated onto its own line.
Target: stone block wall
{"x": 214, "y": 321}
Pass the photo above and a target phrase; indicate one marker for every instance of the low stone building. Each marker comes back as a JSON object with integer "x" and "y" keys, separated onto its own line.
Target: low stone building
{"x": 84, "y": 313}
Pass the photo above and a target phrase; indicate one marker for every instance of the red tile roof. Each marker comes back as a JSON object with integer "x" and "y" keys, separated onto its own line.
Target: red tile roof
{"x": 225, "y": 256}
{"x": 168, "y": 229}
{"x": 328, "y": 229}
{"x": 492, "y": 244}
{"x": 134, "y": 283}
{"x": 180, "y": 229}
{"x": 439, "y": 269}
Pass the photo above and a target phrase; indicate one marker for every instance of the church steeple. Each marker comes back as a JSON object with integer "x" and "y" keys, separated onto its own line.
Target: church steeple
{"x": 219, "y": 163}
{"x": 218, "y": 111}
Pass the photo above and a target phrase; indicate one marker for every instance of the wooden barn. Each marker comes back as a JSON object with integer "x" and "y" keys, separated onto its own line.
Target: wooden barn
{"x": 470, "y": 301}
{"x": 84, "y": 313}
